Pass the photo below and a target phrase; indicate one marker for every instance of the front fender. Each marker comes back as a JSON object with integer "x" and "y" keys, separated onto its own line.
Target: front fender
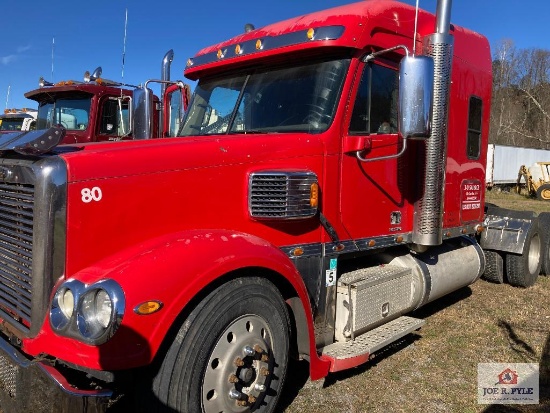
{"x": 173, "y": 270}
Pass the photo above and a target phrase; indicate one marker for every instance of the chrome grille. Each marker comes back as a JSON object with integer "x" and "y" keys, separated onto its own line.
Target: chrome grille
{"x": 276, "y": 195}
{"x": 16, "y": 244}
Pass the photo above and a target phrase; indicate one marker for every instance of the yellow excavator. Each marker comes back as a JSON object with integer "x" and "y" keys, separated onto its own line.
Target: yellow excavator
{"x": 536, "y": 180}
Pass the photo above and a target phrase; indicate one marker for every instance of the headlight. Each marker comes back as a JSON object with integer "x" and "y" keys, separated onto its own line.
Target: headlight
{"x": 63, "y": 305}
{"x": 65, "y": 301}
{"x": 97, "y": 309}
{"x": 89, "y": 313}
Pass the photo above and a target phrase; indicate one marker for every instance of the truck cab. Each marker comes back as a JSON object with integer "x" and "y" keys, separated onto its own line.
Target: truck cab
{"x": 88, "y": 112}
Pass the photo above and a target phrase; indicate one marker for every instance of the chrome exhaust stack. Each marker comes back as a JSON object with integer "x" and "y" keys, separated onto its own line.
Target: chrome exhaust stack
{"x": 165, "y": 70}
{"x": 428, "y": 216}
{"x": 164, "y": 77}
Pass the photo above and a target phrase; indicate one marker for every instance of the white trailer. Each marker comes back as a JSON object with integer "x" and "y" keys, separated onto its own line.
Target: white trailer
{"x": 504, "y": 162}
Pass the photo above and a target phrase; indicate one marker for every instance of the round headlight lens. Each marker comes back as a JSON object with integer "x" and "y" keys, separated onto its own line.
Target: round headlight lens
{"x": 65, "y": 301}
{"x": 104, "y": 308}
{"x": 96, "y": 309}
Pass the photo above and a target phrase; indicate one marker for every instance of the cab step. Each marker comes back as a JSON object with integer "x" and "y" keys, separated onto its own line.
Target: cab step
{"x": 345, "y": 355}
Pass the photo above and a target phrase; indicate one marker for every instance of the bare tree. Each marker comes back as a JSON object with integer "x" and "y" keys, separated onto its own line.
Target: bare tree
{"x": 520, "y": 114}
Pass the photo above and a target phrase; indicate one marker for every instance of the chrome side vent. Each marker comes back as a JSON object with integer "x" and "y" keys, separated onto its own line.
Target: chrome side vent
{"x": 283, "y": 195}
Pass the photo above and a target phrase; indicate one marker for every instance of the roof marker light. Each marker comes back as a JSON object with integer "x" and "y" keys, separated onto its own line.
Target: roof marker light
{"x": 310, "y": 34}
{"x": 238, "y": 49}
{"x": 259, "y": 44}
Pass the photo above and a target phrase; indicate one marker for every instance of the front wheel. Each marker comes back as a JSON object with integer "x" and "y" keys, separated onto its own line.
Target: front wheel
{"x": 231, "y": 353}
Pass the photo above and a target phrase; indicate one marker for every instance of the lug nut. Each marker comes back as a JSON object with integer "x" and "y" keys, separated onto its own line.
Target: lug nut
{"x": 258, "y": 349}
{"x": 233, "y": 379}
{"x": 251, "y": 399}
{"x": 264, "y": 371}
{"x": 235, "y": 394}
{"x": 239, "y": 362}
{"x": 265, "y": 357}
{"x": 242, "y": 403}
{"x": 259, "y": 387}
{"x": 249, "y": 351}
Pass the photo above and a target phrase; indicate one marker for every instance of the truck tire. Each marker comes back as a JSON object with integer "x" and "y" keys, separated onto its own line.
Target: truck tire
{"x": 233, "y": 347}
{"x": 544, "y": 225}
{"x": 494, "y": 267}
{"x": 523, "y": 270}
{"x": 543, "y": 192}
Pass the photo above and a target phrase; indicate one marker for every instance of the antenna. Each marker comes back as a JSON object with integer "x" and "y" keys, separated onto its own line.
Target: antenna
{"x": 415, "y": 28}
{"x": 124, "y": 45}
{"x": 8, "y": 96}
{"x": 53, "y": 46}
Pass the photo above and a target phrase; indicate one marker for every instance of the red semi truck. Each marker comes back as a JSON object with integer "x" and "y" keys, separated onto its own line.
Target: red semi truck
{"x": 98, "y": 109}
{"x": 326, "y": 181}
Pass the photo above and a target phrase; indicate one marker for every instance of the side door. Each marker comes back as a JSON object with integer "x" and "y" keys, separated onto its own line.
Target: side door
{"x": 376, "y": 183}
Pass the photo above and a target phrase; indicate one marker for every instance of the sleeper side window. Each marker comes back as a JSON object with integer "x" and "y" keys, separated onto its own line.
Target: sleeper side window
{"x": 474, "y": 127}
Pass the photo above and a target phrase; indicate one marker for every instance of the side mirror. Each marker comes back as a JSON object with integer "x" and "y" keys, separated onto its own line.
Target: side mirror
{"x": 142, "y": 110}
{"x": 416, "y": 84}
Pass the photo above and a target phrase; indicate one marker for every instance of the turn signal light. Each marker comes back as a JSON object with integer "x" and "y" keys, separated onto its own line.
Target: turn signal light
{"x": 314, "y": 195}
{"x": 148, "y": 307}
{"x": 297, "y": 252}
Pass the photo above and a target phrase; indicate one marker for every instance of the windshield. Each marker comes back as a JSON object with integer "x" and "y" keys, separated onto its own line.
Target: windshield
{"x": 72, "y": 114}
{"x": 11, "y": 124}
{"x": 297, "y": 99}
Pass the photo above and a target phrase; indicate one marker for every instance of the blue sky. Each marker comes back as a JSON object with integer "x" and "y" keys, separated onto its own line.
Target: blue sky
{"x": 91, "y": 34}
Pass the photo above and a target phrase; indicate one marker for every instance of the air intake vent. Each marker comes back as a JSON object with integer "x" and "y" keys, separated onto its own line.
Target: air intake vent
{"x": 283, "y": 195}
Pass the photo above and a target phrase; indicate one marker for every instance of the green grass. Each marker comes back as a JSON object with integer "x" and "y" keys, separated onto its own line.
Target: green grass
{"x": 512, "y": 200}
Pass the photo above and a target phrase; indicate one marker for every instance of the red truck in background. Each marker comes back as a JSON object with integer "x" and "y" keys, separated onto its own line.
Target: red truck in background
{"x": 326, "y": 181}
{"x": 98, "y": 109}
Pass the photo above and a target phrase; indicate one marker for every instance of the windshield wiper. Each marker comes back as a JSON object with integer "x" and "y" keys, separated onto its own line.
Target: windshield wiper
{"x": 250, "y": 132}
